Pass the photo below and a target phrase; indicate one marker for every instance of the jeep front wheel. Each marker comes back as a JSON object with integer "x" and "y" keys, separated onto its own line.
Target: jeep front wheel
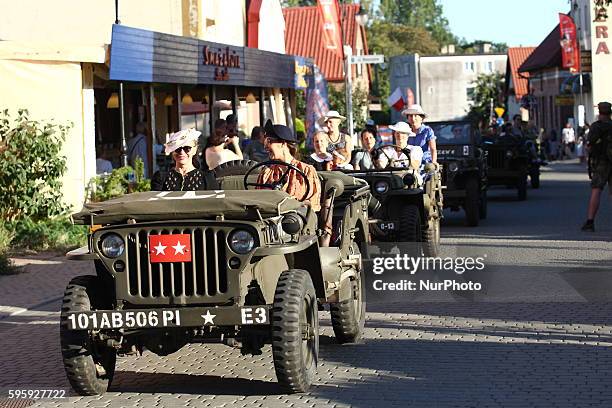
{"x": 89, "y": 364}
{"x": 295, "y": 331}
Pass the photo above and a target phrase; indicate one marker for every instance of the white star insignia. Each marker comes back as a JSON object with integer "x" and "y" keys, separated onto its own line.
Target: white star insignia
{"x": 208, "y": 317}
{"x": 160, "y": 249}
{"x": 179, "y": 248}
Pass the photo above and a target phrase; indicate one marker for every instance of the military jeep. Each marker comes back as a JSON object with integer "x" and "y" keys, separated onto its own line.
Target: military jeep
{"x": 508, "y": 163}
{"x": 406, "y": 206}
{"x": 238, "y": 266}
{"x": 464, "y": 169}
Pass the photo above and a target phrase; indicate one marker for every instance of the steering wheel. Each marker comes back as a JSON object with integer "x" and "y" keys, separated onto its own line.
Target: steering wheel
{"x": 276, "y": 185}
{"x": 389, "y": 159}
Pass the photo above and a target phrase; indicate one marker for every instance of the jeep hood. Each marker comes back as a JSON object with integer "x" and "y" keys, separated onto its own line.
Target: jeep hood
{"x": 180, "y": 205}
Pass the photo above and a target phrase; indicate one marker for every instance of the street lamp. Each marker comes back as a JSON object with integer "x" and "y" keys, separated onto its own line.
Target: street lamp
{"x": 361, "y": 18}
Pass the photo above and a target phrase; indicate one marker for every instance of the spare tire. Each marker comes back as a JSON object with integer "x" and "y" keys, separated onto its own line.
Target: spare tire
{"x": 234, "y": 168}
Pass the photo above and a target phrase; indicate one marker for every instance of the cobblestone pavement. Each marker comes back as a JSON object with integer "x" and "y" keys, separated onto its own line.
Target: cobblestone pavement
{"x": 442, "y": 354}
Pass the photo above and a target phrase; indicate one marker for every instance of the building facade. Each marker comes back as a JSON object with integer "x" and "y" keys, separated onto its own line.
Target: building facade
{"x": 442, "y": 84}
{"x": 55, "y": 61}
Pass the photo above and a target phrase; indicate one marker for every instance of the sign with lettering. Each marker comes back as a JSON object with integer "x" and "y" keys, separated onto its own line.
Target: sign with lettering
{"x": 222, "y": 59}
{"x": 601, "y": 57}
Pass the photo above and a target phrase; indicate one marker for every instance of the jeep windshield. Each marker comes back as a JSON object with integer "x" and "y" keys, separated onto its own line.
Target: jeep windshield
{"x": 452, "y": 133}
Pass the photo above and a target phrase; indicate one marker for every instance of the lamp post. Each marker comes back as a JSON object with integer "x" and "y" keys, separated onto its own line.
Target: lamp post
{"x": 361, "y": 18}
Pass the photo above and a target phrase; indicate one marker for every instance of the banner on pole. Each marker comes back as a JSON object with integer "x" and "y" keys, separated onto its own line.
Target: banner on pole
{"x": 330, "y": 17}
{"x": 570, "y": 53}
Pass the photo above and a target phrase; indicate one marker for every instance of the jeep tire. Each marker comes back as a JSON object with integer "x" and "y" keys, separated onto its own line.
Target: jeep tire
{"x": 90, "y": 366}
{"x": 431, "y": 238}
{"x": 522, "y": 188}
{"x": 409, "y": 224}
{"x": 348, "y": 316}
{"x": 472, "y": 202}
{"x": 535, "y": 179}
{"x": 295, "y": 331}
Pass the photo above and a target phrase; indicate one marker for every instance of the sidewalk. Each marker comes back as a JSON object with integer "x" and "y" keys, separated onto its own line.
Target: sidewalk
{"x": 42, "y": 280}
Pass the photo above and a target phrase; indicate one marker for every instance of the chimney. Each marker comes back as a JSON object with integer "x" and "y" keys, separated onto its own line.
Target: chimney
{"x": 486, "y": 48}
{"x": 444, "y": 49}
{"x": 451, "y": 48}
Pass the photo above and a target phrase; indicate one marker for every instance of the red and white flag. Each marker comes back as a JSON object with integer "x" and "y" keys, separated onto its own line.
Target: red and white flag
{"x": 329, "y": 11}
{"x": 396, "y": 100}
{"x": 170, "y": 248}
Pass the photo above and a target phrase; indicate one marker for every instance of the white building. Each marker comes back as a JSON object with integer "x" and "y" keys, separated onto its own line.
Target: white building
{"x": 442, "y": 84}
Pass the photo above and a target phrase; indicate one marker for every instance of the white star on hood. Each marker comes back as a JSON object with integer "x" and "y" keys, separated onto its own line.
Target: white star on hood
{"x": 179, "y": 248}
{"x": 160, "y": 249}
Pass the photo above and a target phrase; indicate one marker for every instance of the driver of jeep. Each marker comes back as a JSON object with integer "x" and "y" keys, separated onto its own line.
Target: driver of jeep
{"x": 280, "y": 142}
{"x": 402, "y": 154}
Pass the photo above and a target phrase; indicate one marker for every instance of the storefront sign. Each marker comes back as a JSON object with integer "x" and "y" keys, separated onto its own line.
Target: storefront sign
{"x": 145, "y": 56}
{"x": 222, "y": 59}
{"x": 601, "y": 44}
{"x": 303, "y": 73}
{"x": 564, "y": 100}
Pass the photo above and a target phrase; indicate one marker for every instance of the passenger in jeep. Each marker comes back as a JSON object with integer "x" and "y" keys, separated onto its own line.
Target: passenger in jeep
{"x": 184, "y": 176}
{"x": 279, "y": 142}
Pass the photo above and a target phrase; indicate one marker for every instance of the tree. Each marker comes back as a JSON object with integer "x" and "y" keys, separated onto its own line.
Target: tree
{"x": 427, "y": 14}
{"x": 473, "y": 47}
{"x": 337, "y": 102}
{"x": 487, "y": 88}
{"x": 298, "y": 3}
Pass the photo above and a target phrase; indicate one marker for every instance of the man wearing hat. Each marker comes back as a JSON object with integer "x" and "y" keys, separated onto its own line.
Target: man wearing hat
{"x": 405, "y": 154}
{"x": 340, "y": 142}
{"x": 280, "y": 142}
{"x": 425, "y": 137}
{"x": 600, "y": 161}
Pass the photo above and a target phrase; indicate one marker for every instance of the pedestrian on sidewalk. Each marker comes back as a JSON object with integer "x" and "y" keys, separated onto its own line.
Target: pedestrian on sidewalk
{"x": 600, "y": 161}
{"x": 568, "y": 137}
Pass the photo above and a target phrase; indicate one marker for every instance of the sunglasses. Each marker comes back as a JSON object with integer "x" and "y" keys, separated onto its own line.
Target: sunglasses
{"x": 186, "y": 149}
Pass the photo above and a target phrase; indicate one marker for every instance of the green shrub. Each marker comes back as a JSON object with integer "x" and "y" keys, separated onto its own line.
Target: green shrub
{"x": 6, "y": 265}
{"x": 31, "y": 167}
{"x": 55, "y": 233}
{"x": 118, "y": 183}
{"x": 6, "y": 236}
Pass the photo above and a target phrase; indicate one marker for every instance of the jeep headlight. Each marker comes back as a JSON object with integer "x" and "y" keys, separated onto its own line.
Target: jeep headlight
{"x": 509, "y": 154}
{"x": 112, "y": 246}
{"x": 381, "y": 187}
{"x": 453, "y": 167}
{"x": 241, "y": 242}
{"x": 409, "y": 179}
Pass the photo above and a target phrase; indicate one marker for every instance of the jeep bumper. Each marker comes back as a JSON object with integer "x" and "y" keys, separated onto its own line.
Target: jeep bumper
{"x": 156, "y": 318}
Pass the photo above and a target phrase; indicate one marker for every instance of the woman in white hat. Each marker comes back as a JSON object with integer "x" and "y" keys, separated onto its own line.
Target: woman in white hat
{"x": 340, "y": 142}
{"x": 425, "y": 137}
{"x": 405, "y": 154}
{"x": 185, "y": 176}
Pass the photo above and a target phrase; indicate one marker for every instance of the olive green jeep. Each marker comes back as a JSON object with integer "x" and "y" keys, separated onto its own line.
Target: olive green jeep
{"x": 239, "y": 266}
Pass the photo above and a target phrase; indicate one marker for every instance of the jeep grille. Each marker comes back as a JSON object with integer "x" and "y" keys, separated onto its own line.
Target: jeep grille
{"x": 496, "y": 159}
{"x": 204, "y": 279}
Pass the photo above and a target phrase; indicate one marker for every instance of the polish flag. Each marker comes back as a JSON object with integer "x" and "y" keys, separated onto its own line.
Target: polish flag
{"x": 396, "y": 100}
{"x": 170, "y": 248}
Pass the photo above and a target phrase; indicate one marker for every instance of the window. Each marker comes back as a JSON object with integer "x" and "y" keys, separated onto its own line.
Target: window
{"x": 469, "y": 66}
{"x": 469, "y": 92}
{"x": 488, "y": 66}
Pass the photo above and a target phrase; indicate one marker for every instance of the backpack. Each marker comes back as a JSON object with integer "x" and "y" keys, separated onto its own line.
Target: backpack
{"x": 600, "y": 139}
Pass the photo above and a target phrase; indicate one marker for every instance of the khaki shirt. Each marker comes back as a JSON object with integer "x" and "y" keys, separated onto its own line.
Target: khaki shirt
{"x": 295, "y": 184}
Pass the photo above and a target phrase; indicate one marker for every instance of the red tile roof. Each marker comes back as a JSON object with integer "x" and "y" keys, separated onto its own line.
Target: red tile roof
{"x": 546, "y": 55}
{"x": 516, "y": 57}
{"x": 303, "y": 36}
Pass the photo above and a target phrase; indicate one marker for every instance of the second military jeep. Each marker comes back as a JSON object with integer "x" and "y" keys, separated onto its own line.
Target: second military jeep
{"x": 406, "y": 205}
{"x": 239, "y": 266}
{"x": 464, "y": 168}
{"x": 509, "y": 162}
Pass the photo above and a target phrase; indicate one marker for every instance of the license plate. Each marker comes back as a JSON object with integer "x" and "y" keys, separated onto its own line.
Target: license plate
{"x": 120, "y": 319}
{"x": 170, "y": 248}
{"x": 386, "y": 226}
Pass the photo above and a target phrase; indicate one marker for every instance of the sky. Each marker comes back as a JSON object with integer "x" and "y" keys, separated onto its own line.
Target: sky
{"x": 514, "y": 22}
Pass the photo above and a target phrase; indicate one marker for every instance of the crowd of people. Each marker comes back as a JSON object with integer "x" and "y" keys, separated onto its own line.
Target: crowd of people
{"x": 413, "y": 146}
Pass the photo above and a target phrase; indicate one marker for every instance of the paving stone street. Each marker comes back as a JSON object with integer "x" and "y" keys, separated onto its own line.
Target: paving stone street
{"x": 544, "y": 344}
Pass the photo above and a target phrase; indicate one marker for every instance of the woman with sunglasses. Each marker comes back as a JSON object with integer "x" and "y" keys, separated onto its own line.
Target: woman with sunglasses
{"x": 280, "y": 141}
{"x": 185, "y": 176}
